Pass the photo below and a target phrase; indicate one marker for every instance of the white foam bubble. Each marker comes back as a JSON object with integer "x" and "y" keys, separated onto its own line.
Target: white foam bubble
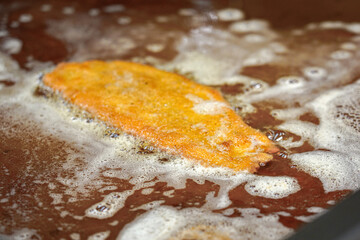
{"x": 12, "y": 45}
{"x": 254, "y": 38}
{"x": 341, "y": 55}
{"x": 272, "y": 187}
{"x": 214, "y": 56}
{"x": 212, "y": 16}
{"x": 75, "y": 236}
{"x": 300, "y": 128}
{"x": 165, "y": 222}
{"x": 334, "y": 174}
{"x": 9, "y": 69}
{"x": 200, "y": 19}
{"x": 306, "y": 219}
{"x": 285, "y": 214}
{"x": 111, "y": 204}
{"x": 94, "y": 12}
{"x": 349, "y": 46}
{"x": 162, "y": 19}
{"x": 64, "y": 214}
{"x": 46, "y": 7}
{"x": 114, "y": 201}
{"x": 249, "y": 82}
{"x": 315, "y": 72}
{"x": 278, "y": 47}
{"x": 287, "y": 114}
{"x": 21, "y": 234}
{"x": 199, "y": 64}
{"x": 230, "y": 14}
{"x": 311, "y": 26}
{"x": 124, "y": 20}
{"x": 99, "y": 236}
{"x": 150, "y": 205}
{"x": 157, "y": 224}
{"x": 57, "y": 198}
{"x": 3, "y": 33}
{"x": 14, "y": 24}
{"x": 262, "y": 56}
{"x": 147, "y": 191}
{"x": 169, "y": 193}
{"x": 353, "y": 27}
{"x": 332, "y": 24}
{"x": 254, "y": 25}
{"x": 187, "y": 12}
{"x": 108, "y": 188}
{"x": 25, "y": 18}
{"x": 286, "y": 86}
{"x": 316, "y": 209}
{"x": 114, "y": 223}
{"x": 68, "y": 10}
{"x": 345, "y": 110}
{"x": 114, "y": 8}
{"x": 297, "y": 32}
{"x": 155, "y": 47}
{"x": 338, "y": 168}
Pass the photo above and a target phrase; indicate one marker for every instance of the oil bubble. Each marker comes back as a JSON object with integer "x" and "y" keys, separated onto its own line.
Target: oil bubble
{"x": 275, "y": 135}
{"x": 162, "y": 19}
{"x": 348, "y": 46}
{"x": 114, "y": 8}
{"x": 256, "y": 85}
{"x": 25, "y": 18}
{"x": 272, "y": 187}
{"x": 99, "y": 236}
{"x": 255, "y": 25}
{"x": 187, "y": 12}
{"x": 353, "y": 27}
{"x": 254, "y": 38}
{"x": 331, "y": 24}
{"x": 14, "y": 24}
{"x": 340, "y": 55}
{"x": 263, "y": 56}
{"x": 12, "y": 45}
{"x": 124, "y": 20}
{"x": 155, "y": 47}
{"x": 94, "y": 12}
{"x": 293, "y": 81}
{"x": 68, "y": 10}
{"x": 230, "y": 14}
{"x": 45, "y": 7}
{"x": 314, "y": 72}
{"x": 297, "y": 32}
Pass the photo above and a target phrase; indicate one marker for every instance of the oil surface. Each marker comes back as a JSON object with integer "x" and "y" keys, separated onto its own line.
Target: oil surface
{"x": 290, "y": 71}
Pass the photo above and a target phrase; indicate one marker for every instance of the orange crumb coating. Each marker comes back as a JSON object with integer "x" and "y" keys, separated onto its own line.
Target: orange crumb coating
{"x": 173, "y": 113}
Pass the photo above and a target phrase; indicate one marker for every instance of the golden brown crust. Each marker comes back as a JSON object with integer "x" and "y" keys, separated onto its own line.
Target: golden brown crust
{"x": 170, "y": 111}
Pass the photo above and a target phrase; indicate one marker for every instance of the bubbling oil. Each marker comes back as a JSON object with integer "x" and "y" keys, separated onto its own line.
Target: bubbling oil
{"x": 89, "y": 180}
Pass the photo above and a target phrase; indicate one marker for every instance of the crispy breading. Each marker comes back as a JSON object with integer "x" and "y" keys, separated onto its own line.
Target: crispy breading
{"x": 173, "y": 113}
